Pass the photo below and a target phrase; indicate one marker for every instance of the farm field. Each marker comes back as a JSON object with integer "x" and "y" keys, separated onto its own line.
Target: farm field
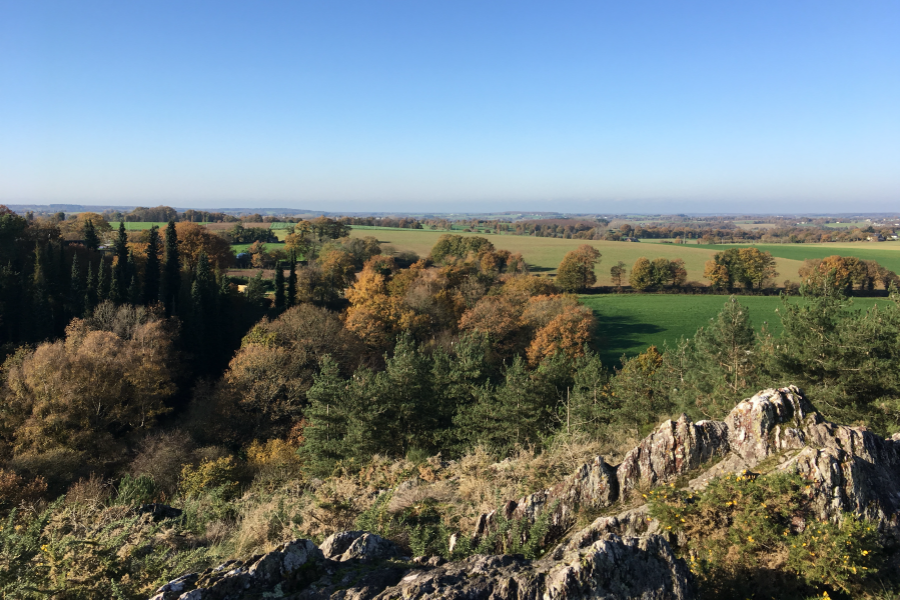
{"x": 238, "y": 248}
{"x": 543, "y": 255}
{"x": 886, "y": 253}
{"x": 129, "y": 226}
{"x": 629, "y": 323}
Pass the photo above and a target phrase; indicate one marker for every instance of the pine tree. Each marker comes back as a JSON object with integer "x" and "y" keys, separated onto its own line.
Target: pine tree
{"x": 292, "y": 282}
{"x": 116, "y": 289}
{"x": 279, "y": 286}
{"x": 151, "y": 268}
{"x": 134, "y": 292}
{"x": 256, "y": 290}
{"x": 171, "y": 281}
{"x": 330, "y": 407}
{"x": 91, "y": 240}
{"x": 42, "y": 316}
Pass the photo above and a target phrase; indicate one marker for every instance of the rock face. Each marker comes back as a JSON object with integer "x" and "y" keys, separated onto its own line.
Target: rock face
{"x": 620, "y": 555}
{"x": 851, "y": 469}
{"x": 612, "y": 568}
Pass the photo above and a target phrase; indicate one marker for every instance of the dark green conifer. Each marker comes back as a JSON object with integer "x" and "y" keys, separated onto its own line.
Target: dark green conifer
{"x": 279, "y": 286}
{"x": 292, "y": 283}
{"x": 171, "y": 280}
{"x": 90, "y": 290}
{"x": 151, "y": 269}
{"x": 121, "y": 276}
{"x": 103, "y": 282}
{"x": 76, "y": 289}
{"x": 91, "y": 240}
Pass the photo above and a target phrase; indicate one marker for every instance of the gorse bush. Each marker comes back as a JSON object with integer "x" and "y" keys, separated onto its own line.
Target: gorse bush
{"x": 748, "y": 536}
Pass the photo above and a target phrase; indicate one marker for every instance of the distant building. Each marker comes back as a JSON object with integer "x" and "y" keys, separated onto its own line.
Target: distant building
{"x": 875, "y": 237}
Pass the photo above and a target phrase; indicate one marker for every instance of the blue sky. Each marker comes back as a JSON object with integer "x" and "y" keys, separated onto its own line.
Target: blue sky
{"x": 453, "y": 106}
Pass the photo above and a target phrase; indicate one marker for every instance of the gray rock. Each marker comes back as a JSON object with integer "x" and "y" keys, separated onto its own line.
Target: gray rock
{"x": 359, "y": 545}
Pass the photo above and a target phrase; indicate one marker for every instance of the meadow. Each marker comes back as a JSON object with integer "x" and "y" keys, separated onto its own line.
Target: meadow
{"x": 886, "y": 253}
{"x": 543, "y": 255}
{"x": 629, "y": 323}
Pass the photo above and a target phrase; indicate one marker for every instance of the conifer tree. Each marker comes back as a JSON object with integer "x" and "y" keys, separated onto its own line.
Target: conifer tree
{"x": 91, "y": 240}
{"x": 256, "y": 290}
{"x": 151, "y": 268}
{"x": 121, "y": 276}
{"x": 279, "y": 286}
{"x": 292, "y": 282}
{"x": 76, "y": 289}
{"x": 134, "y": 292}
{"x": 116, "y": 288}
{"x": 171, "y": 282}
{"x": 41, "y": 314}
{"x": 103, "y": 282}
{"x": 90, "y": 290}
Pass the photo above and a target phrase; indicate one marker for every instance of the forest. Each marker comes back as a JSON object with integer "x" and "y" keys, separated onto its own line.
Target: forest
{"x": 135, "y": 372}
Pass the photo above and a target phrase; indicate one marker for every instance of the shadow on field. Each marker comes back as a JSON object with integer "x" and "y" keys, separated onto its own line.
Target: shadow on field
{"x": 537, "y": 269}
{"x": 618, "y": 335}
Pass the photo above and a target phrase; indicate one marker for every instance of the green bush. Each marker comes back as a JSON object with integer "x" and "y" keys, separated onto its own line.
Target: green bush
{"x": 758, "y": 537}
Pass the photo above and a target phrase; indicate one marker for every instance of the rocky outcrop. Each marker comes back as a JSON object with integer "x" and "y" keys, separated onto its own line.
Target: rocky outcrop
{"x": 622, "y": 554}
{"x": 850, "y": 468}
{"x": 612, "y": 567}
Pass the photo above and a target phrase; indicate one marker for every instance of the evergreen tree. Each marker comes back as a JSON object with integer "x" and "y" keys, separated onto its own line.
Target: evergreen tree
{"x": 151, "y": 268}
{"x": 103, "y": 283}
{"x": 291, "y": 299}
{"x": 91, "y": 240}
{"x": 171, "y": 281}
{"x": 121, "y": 276}
{"x": 134, "y": 292}
{"x": 42, "y": 317}
{"x": 256, "y": 290}
{"x": 116, "y": 287}
{"x": 279, "y": 286}
{"x": 76, "y": 289}
{"x": 203, "y": 298}
{"x": 722, "y": 362}
{"x": 90, "y": 290}
{"x": 331, "y": 404}
{"x": 587, "y": 406}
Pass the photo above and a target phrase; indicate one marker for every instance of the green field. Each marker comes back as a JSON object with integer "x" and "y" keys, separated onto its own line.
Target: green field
{"x": 886, "y": 253}
{"x": 144, "y": 225}
{"x": 629, "y": 323}
{"x": 543, "y": 255}
{"x": 238, "y": 248}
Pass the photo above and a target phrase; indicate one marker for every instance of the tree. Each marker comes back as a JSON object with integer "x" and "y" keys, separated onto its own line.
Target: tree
{"x": 756, "y": 267}
{"x": 90, "y": 291}
{"x": 152, "y": 267}
{"x": 641, "y": 274}
{"x": 279, "y": 286}
{"x": 660, "y": 272}
{"x": 677, "y": 272}
{"x": 76, "y": 289}
{"x": 121, "y": 276}
{"x": 171, "y": 281}
{"x": 91, "y": 240}
{"x": 725, "y": 269}
{"x": 195, "y": 239}
{"x": 617, "y": 273}
{"x": 576, "y": 271}
{"x": 292, "y": 282}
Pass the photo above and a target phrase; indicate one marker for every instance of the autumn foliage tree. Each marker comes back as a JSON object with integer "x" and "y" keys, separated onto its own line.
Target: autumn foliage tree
{"x": 576, "y": 271}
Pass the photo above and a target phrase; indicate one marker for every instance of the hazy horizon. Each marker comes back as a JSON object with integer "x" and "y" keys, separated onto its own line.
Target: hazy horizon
{"x": 573, "y": 107}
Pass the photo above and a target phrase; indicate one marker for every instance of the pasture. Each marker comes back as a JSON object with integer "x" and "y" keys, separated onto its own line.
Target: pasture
{"x": 543, "y": 255}
{"x": 629, "y": 323}
{"x": 886, "y": 253}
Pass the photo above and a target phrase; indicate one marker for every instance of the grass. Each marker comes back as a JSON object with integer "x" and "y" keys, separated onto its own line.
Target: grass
{"x": 543, "y": 255}
{"x": 629, "y": 323}
{"x": 886, "y": 253}
{"x": 141, "y": 226}
{"x": 238, "y": 248}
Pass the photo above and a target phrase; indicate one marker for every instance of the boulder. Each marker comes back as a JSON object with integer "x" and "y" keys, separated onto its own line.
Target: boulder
{"x": 358, "y": 545}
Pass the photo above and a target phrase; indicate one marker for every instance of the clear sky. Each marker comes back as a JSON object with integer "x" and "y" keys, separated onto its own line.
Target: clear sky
{"x": 600, "y": 106}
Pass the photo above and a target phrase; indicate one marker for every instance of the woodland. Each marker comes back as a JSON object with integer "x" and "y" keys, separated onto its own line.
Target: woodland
{"x": 135, "y": 372}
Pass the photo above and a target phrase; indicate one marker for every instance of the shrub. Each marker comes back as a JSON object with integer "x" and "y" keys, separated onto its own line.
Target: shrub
{"x": 220, "y": 473}
{"x": 748, "y": 535}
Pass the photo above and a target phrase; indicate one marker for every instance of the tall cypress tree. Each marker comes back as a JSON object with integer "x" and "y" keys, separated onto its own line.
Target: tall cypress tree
{"x": 203, "y": 312}
{"x": 171, "y": 282}
{"x": 151, "y": 269}
{"x": 91, "y": 241}
{"x": 103, "y": 282}
{"x": 76, "y": 289}
{"x": 90, "y": 290}
{"x": 292, "y": 282}
{"x": 279, "y": 286}
{"x": 41, "y": 314}
{"x": 120, "y": 278}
